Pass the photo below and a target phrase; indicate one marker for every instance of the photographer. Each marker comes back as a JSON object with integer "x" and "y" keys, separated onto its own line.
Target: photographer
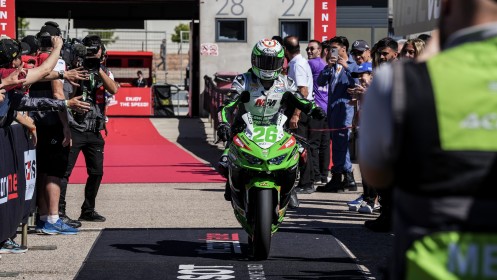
{"x": 86, "y": 127}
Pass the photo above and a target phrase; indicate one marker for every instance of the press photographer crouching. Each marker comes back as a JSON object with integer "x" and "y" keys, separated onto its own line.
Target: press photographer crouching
{"x": 86, "y": 127}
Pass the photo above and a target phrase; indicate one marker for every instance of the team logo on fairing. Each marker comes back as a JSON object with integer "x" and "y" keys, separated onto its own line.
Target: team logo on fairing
{"x": 262, "y": 102}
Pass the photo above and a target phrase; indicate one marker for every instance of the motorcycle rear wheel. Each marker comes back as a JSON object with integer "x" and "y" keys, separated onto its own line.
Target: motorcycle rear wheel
{"x": 261, "y": 241}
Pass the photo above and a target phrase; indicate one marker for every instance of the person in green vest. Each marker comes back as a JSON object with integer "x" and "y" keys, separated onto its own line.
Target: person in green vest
{"x": 430, "y": 132}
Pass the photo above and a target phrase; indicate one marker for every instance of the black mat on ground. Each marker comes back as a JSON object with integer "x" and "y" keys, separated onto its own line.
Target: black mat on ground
{"x": 215, "y": 253}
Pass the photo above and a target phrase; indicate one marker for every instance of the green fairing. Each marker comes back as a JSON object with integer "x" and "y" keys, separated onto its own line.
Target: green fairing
{"x": 238, "y": 156}
{"x": 273, "y": 151}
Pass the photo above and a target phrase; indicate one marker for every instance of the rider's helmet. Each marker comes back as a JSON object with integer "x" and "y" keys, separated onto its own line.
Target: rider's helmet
{"x": 267, "y": 59}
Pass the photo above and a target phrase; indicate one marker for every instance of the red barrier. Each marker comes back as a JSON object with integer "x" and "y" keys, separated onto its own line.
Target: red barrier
{"x": 131, "y": 101}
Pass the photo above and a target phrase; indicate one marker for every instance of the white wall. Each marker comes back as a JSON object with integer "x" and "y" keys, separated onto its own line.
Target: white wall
{"x": 262, "y": 22}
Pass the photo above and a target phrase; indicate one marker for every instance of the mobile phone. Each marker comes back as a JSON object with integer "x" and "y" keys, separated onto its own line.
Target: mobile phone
{"x": 334, "y": 52}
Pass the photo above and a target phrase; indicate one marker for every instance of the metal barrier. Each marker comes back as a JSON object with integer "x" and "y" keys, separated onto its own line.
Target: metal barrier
{"x": 177, "y": 59}
{"x": 213, "y": 99}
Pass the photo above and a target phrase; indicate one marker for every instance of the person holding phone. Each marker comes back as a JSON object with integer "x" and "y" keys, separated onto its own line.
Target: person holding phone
{"x": 340, "y": 113}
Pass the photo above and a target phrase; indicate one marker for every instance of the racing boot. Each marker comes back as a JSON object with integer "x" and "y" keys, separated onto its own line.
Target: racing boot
{"x": 294, "y": 200}
{"x": 349, "y": 181}
{"x": 222, "y": 165}
{"x": 227, "y": 192}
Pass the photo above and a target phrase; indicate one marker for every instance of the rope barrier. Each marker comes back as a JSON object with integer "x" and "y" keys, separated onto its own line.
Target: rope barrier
{"x": 333, "y": 129}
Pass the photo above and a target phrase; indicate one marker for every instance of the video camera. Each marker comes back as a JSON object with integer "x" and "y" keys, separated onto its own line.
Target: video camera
{"x": 75, "y": 54}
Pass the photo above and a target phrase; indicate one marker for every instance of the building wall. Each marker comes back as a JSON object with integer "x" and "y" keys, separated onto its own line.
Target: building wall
{"x": 355, "y": 22}
{"x": 262, "y": 22}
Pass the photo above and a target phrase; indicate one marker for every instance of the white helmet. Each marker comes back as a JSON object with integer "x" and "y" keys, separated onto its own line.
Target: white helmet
{"x": 267, "y": 59}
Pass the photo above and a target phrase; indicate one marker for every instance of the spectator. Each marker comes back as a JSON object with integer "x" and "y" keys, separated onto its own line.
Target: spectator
{"x": 368, "y": 201}
{"x": 441, "y": 160}
{"x": 424, "y": 37}
{"x": 300, "y": 71}
{"x": 54, "y": 138}
{"x": 140, "y": 81}
{"x": 360, "y": 52}
{"x": 163, "y": 53}
{"x": 340, "y": 113}
{"x": 387, "y": 50}
{"x": 412, "y": 48}
{"x": 30, "y": 57}
{"x": 319, "y": 136}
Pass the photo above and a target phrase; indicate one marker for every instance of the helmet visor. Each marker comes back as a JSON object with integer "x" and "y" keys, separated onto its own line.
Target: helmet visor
{"x": 268, "y": 62}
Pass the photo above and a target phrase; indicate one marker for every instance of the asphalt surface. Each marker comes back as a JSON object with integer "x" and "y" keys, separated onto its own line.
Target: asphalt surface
{"x": 188, "y": 208}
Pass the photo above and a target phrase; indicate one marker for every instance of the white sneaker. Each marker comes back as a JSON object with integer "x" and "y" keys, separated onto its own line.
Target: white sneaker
{"x": 365, "y": 208}
{"x": 354, "y": 205}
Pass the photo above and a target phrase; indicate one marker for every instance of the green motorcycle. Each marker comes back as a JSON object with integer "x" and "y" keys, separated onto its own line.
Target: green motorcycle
{"x": 263, "y": 167}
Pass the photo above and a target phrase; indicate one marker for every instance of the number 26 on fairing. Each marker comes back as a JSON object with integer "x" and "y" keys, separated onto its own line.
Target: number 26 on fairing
{"x": 265, "y": 134}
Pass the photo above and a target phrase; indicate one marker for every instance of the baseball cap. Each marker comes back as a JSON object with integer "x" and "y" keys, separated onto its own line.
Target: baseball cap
{"x": 9, "y": 49}
{"x": 26, "y": 49}
{"x": 32, "y": 42}
{"x": 360, "y": 45}
{"x": 363, "y": 68}
{"x": 92, "y": 40}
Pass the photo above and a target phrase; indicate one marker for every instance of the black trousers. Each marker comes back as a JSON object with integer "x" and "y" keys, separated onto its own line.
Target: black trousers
{"x": 306, "y": 172}
{"x": 319, "y": 140}
{"x": 92, "y": 145}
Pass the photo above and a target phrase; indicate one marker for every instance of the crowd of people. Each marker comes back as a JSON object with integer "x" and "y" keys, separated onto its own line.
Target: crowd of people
{"x": 426, "y": 138}
{"x": 61, "y": 103}
{"x": 335, "y": 76}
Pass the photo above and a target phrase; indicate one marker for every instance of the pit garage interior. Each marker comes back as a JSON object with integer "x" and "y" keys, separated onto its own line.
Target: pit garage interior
{"x": 125, "y": 14}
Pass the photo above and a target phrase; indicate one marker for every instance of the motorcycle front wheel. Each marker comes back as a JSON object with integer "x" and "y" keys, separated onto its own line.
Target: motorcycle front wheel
{"x": 261, "y": 240}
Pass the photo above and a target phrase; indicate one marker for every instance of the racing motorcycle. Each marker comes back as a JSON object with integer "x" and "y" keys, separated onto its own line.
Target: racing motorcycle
{"x": 263, "y": 167}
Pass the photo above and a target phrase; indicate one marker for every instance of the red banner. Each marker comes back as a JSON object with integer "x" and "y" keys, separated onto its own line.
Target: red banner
{"x": 325, "y": 22}
{"x": 131, "y": 101}
{"x": 8, "y": 18}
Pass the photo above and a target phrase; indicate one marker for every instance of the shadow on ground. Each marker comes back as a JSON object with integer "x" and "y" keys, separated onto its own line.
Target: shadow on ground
{"x": 371, "y": 249}
{"x": 192, "y": 136}
{"x": 165, "y": 254}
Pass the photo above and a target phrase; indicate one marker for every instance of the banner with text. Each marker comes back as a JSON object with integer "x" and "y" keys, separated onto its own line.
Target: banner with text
{"x": 131, "y": 101}
{"x": 8, "y": 18}
{"x": 13, "y": 144}
{"x": 325, "y": 19}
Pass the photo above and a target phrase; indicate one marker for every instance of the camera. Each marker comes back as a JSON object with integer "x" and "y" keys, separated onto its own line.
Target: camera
{"x": 75, "y": 54}
{"x": 92, "y": 64}
{"x": 93, "y": 50}
{"x": 45, "y": 40}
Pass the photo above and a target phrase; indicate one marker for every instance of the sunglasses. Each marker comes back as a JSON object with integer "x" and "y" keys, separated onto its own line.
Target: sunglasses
{"x": 310, "y": 49}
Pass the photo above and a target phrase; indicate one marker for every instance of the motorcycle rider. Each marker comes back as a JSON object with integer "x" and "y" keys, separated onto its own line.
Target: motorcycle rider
{"x": 269, "y": 92}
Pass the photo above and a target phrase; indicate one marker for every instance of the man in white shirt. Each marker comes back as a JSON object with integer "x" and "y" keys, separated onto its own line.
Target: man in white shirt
{"x": 300, "y": 71}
